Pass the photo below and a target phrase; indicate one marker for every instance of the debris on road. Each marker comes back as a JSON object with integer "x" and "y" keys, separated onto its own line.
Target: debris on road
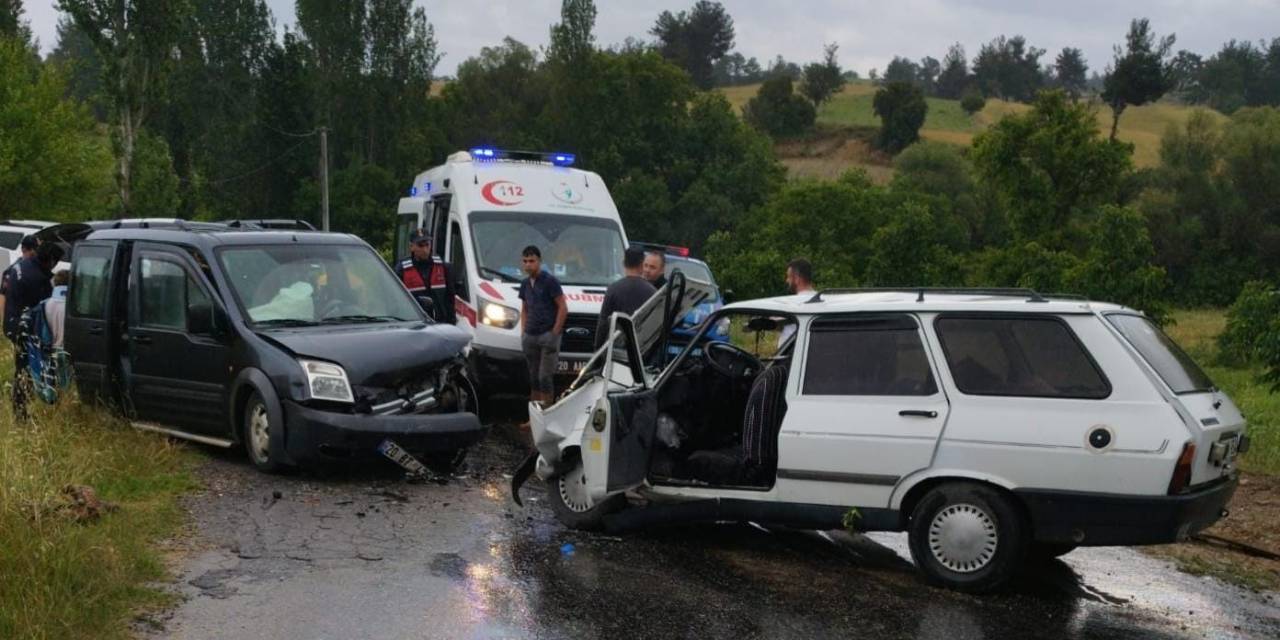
{"x": 83, "y": 504}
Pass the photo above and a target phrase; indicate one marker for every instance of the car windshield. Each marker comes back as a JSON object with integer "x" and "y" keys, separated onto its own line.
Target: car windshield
{"x": 577, "y": 250}
{"x": 1178, "y": 370}
{"x": 299, "y": 284}
{"x": 691, "y": 269}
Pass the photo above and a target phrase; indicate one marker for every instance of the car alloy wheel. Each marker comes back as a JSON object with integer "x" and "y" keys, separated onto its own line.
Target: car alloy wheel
{"x": 963, "y": 538}
{"x": 259, "y": 432}
{"x": 573, "y": 490}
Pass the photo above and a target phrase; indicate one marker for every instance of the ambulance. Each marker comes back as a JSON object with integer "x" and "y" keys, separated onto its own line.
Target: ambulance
{"x": 483, "y": 207}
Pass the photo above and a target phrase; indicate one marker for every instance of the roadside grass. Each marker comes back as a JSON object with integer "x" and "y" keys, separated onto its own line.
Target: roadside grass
{"x": 60, "y": 578}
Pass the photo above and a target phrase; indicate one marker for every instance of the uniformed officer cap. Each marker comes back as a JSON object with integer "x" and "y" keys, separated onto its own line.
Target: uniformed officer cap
{"x": 419, "y": 235}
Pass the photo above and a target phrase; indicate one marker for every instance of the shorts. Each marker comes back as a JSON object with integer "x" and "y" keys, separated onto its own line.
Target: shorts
{"x": 541, "y": 353}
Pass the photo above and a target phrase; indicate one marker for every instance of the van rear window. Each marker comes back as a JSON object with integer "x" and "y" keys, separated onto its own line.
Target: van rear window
{"x": 1174, "y": 366}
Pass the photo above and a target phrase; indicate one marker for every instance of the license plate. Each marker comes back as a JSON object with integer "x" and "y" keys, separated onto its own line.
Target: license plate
{"x": 401, "y": 457}
{"x": 570, "y": 366}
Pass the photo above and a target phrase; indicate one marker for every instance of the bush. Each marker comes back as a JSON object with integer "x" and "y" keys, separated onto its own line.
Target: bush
{"x": 778, "y": 110}
{"x": 1117, "y": 266}
{"x": 1254, "y": 314}
{"x": 972, "y": 101}
{"x": 901, "y": 108}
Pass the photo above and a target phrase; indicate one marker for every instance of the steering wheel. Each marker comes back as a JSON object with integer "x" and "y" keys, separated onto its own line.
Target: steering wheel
{"x": 338, "y": 307}
{"x": 730, "y": 360}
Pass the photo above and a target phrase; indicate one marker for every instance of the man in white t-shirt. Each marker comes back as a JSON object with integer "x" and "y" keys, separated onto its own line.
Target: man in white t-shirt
{"x": 55, "y": 308}
{"x": 799, "y": 282}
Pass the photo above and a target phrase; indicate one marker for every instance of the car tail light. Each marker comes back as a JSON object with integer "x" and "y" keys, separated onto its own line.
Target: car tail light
{"x": 1182, "y": 471}
{"x": 679, "y": 251}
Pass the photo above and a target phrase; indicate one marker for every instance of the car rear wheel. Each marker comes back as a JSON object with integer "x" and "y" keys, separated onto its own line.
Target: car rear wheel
{"x": 574, "y": 507}
{"x": 967, "y": 537}
{"x": 262, "y": 435}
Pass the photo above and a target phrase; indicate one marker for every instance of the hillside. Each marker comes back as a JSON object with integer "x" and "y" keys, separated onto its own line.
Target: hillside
{"x": 946, "y": 122}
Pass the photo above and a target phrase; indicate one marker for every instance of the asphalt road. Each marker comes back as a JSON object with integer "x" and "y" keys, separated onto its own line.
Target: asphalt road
{"x": 364, "y": 554}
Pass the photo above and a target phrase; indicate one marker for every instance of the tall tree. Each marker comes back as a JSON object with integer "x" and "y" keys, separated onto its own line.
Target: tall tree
{"x": 822, "y": 80}
{"x": 902, "y": 109}
{"x": 954, "y": 77}
{"x": 11, "y": 23}
{"x": 1141, "y": 72}
{"x": 76, "y": 55}
{"x": 901, "y": 70}
{"x": 1071, "y": 72}
{"x": 134, "y": 40}
{"x": 929, "y": 70}
{"x": 695, "y": 39}
{"x": 573, "y": 40}
{"x": 1009, "y": 68}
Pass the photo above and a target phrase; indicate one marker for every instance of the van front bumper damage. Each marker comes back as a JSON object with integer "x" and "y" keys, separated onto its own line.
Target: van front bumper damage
{"x": 1104, "y": 519}
{"x": 318, "y": 435}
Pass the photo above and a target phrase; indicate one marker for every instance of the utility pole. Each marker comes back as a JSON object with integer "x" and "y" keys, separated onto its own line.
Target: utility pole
{"x": 324, "y": 178}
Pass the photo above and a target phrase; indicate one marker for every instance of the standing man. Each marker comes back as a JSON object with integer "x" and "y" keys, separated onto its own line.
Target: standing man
{"x": 55, "y": 308}
{"x": 27, "y": 284}
{"x": 424, "y": 274}
{"x": 543, "y": 312}
{"x": 625, "y": 295}
{"x": 655, "y": 268}
{"x": 28, "y": 249}
{"x": 799, "y": 282}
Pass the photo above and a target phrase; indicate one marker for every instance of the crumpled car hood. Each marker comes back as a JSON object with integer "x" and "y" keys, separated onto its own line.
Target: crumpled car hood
{"x": 376, "y": 355}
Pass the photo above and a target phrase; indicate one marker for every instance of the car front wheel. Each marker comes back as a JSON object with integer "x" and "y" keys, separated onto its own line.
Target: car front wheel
{"x": 262, "y": 435}
{"x": 967, "y": 537}
{"x": 572, "y": 504}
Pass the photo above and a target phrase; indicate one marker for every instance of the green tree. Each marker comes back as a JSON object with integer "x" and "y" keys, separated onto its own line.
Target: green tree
{"x": 777, "y": 110}
{"x": 822, "y": 80}
{"x": 11, "y": 22}
{"x": 1070, "y": 72}
{"x": 572, "y": 40}
{"x": 155, "y": 184}
{"x": 53, "y": 163}
{"x": 1009, "y": 68}
{"x": 1141, "y": 72}
{"x": 1117, "y": 267}
{"x": 496, "y": 98}
{"x": 1251, "y": 320}
{"x": 79, "y": 61}
{"x": 1251, "y": 172}
{"x": 954, "y": 78}
{"x": 901, "y": 70}
{"x": 696, "y": 39}
{"x": 1050, "y": 167}
{"x": 972, "y": 101}
{"x": 134, "y": 39}
{"x": 901, "y": 108}
{"x": 910, "y": 251}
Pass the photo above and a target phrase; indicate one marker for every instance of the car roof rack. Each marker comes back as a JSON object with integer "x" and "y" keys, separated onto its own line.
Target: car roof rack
{"x": 1011, "y": 292}
{"x": 25, "y": 224}
{"x": 288, "y": 224}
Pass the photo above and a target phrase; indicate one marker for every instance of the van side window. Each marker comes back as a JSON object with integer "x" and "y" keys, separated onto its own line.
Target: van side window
{"x": 405, "y": 225}
{"x": 90, "y": 272}
{"x": 1019, "y": 356}
{"x": 439, "y": 217}
{"x": 867, "y": 356}
{"x": 458, "y": 261}
{"x": 167, "y": 293}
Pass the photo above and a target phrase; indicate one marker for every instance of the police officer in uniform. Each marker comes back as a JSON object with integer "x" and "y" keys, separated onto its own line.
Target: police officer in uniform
{"x": 424, "y": 274}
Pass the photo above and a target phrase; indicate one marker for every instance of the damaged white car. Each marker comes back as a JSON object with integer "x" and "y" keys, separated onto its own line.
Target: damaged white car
{"x": 994, "y": 426}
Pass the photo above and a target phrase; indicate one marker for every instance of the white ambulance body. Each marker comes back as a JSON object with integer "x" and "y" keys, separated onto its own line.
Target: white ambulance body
{"x": 482, "y": 208}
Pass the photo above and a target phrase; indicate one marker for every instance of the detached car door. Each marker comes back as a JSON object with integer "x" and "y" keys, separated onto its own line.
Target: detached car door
{"x": 177, "y": 356}
{"x": 618, "y": 442}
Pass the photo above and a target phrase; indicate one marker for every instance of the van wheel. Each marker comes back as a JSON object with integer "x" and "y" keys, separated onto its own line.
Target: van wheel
{"x": 967, "y": 537}
{"x": 1043, "y": 551}
{"x": 261, "y": 435}
{"x": 573, "y": 507}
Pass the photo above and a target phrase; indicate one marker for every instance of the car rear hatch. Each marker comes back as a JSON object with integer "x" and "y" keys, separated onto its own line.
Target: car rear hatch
{"x": 1217, "y": 425}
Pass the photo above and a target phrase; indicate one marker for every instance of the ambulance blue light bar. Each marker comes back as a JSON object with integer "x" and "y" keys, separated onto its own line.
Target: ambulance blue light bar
{"x": 557, "y": 158}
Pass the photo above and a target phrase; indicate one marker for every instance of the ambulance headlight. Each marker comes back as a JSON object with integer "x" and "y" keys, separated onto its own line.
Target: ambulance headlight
{"x": 495, "y": 315}
{"x": 326, "y": 381}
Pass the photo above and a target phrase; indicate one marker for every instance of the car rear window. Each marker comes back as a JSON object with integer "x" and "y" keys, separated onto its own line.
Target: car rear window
{"x": 867, "y": 356}
{"x": 1173, "y": 365}
{"x": 1019, "y": 356}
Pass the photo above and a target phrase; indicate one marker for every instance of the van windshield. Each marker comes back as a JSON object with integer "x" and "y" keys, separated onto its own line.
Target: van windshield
{"x": 575, "y": 249}
{"x": 301, "y": 284}
{"x": 1178, "y": 370}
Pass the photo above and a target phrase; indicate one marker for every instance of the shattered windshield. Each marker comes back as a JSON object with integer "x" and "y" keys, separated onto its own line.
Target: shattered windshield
{"x": 315, "y": 284}
{"x": 577, "y": 250}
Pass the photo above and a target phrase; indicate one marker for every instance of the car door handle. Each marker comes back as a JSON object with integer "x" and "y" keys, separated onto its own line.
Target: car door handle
{"x": 95, "y": 331}
{"x": 142, "y": 339}
{"x": 917, "y": 413}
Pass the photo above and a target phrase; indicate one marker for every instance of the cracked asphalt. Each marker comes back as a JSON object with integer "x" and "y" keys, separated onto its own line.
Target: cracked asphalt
{"x": 364, "y": 554}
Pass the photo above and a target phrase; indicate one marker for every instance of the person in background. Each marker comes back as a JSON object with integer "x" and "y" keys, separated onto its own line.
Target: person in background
{"x": 27, "y": 284}
{"x": 543, "y": 313}
{"x": 55, "y": 308}
{"x": 799, "y": 281}
{"x": 28, "y": 249}
{"x": 655, "y": 269}
{"x": 626, "y": 294}
{"x": 426, "y": 275}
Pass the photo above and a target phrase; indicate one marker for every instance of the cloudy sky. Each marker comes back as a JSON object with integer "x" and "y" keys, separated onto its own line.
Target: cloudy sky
{"x": 869, "y": 33}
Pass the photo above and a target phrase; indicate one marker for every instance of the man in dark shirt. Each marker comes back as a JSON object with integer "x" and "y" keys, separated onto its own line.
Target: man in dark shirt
{"x": 542, "y": 319}
{"x": 426, "y": 275}
{"x": 26, "y": 284}
{"x": 655, "y": 268}
{"x": 625, "y": 295}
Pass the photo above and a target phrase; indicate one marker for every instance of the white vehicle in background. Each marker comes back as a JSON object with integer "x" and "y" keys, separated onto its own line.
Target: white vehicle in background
{"x": 482, "y": 208}
{"x": 993, "y": 426}
{"x": 11, "y": 234}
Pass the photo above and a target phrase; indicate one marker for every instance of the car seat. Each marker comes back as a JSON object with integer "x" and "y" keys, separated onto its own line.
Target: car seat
{"x": 753, "y": 461}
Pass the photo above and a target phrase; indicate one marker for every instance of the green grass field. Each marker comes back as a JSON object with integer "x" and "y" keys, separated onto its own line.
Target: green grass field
{"x": 60, "y": 578}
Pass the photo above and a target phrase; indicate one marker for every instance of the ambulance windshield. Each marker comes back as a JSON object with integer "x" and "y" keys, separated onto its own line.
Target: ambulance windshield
{"x": 577, "y": 250}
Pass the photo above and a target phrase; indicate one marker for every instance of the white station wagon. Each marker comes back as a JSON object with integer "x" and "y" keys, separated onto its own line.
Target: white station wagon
{"x": 995, "y": 426}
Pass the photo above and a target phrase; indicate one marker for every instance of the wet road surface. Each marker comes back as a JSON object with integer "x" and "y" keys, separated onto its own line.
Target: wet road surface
{"x": 366, "y": 555}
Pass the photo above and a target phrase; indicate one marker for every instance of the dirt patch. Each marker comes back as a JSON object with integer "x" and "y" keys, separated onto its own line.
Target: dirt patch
{"x": 1254, "y": 513}
{"x": 827, "y": 154}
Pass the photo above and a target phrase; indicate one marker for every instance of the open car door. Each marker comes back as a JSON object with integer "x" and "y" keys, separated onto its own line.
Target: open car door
{"x": 618, "y": 441}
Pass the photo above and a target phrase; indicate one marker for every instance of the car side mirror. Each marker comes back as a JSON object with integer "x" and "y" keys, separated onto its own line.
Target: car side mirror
{"x": 427, "y": 305}
{"x": 729, "y": 296}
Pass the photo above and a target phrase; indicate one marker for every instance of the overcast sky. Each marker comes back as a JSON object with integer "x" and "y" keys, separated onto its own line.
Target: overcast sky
{"x": 869, "y": 33}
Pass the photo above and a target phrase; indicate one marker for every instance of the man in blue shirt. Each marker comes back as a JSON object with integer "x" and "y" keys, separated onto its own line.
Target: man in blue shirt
{"x": 26, "y": 284}
{"x": 542, "y": 317}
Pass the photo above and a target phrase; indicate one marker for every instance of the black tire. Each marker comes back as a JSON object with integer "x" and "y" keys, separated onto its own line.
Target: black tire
{"x": 985, "y": 532}
{"x": 568, "y": 506}
{"x": 1045, "y": 551}
{"x": 264, "y": 454}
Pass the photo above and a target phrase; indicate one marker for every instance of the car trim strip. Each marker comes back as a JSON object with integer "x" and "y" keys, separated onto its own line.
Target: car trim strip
{"x": 217, "y": 442}
{"x": 835, "y": 476}
{"x": 1163, "y": 445}
{"x": 875, "y": 436}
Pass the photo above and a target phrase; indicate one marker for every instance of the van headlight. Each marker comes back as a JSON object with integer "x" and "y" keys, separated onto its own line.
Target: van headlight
{"x": 327, "y": 381}
{"x": 496, "y": 315}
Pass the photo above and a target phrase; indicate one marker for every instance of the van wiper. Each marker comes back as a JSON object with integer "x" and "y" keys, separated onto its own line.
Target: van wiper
{"x": 360, "y": 317}
{"x": 285, "y": 322}
{"x": 497, "y": 274}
